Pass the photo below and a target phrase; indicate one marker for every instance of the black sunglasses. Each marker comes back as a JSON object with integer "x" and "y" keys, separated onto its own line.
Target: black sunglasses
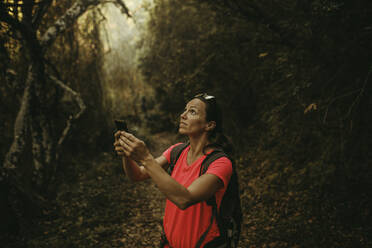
{"x": 205, "y": 96}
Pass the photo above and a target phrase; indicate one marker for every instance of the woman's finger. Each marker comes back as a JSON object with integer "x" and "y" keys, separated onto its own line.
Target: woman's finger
{"x": 119, "y": 150}
{"x": 118, "y": 145}
{"x": 129, "y": 136}
{"x": 117, "y": 134}
{"x": 120, "y": 153}
{"x": 126, "y": 153}
{"x": 124, "y": 141}
{"x": 123, "y": 150}
{"x": 126, "y": 147}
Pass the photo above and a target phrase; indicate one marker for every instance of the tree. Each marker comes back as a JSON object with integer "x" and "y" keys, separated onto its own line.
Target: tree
{"x": 35, "y": 143}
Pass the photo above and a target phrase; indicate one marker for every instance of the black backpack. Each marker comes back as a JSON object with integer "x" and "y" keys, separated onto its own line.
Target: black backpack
{"x": 229, "y": 217}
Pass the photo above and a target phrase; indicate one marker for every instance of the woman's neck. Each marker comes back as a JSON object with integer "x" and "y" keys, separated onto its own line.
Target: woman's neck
{"x": 197, "y": 145}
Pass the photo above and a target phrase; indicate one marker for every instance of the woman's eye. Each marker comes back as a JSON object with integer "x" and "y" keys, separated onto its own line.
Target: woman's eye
{"x": 192, "y": 111}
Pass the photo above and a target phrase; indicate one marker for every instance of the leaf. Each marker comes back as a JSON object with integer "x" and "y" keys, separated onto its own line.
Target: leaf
{"x": 311, "y": 107}
{"x": 261, "y": 55}
{"x": 80, "y": 221}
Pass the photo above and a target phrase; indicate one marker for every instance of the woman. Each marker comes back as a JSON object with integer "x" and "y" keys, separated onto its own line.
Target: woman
{"x": 187, "y": 215}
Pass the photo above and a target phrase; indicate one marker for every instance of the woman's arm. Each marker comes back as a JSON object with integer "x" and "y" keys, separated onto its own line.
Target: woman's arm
{"x": 138, "y": 173}
{"x": 133, "y": 171}
{"x": 200, "y": 190}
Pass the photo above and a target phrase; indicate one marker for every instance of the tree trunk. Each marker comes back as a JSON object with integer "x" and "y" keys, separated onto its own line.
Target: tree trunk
{"x": 33, "y": 127}
{"x": 8, "y": 223}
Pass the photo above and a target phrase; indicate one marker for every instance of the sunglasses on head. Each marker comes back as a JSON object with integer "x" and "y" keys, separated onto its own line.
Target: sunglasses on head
{"x": 204, "y": 96}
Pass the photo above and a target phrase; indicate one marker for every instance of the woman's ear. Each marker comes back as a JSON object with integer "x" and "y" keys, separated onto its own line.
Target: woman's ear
{"x": 211, "y": 125}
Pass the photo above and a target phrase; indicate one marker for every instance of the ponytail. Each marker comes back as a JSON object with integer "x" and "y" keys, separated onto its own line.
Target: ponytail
{"x": 220, "y": 141}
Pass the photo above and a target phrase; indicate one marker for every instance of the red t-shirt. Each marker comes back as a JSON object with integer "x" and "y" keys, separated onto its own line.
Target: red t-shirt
{"x": 183, "y": 228}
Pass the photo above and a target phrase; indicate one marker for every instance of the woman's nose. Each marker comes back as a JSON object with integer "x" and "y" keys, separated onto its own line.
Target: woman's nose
{"x": 183, "y": 115}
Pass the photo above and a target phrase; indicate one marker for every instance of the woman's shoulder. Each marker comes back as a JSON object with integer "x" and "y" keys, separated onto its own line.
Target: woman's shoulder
{"x": 222, "y": 156}
{"x": 221, "y": 167}
{"x": 173, "y": 146}
{"x": 178, "y": 145}
{"x": 223, "y": 160}
{"x": 169, "y": 150}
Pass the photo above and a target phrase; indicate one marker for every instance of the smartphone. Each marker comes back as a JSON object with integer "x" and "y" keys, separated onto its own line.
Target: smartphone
{"x": 121, "y": 125}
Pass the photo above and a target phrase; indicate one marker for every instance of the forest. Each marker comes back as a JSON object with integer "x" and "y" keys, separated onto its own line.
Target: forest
{"x": 293, "y": 79}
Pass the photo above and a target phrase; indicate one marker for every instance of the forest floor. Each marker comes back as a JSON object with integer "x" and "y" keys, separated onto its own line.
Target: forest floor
{"x": 101, "y": 208}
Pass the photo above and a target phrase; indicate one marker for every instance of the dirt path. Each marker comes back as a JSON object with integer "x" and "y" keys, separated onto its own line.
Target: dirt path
{"x": 144, "y": 228}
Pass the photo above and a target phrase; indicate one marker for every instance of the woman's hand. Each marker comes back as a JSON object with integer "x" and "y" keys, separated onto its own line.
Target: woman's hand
{"x": 133, "y": 147}
{"x": 117, "y": 146}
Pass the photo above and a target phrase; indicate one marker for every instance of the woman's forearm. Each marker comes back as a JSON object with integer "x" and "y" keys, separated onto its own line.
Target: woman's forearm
{"x": 174, "y": 191}
{"x": 136, "y": 150}
{"x": 132, "y": 170}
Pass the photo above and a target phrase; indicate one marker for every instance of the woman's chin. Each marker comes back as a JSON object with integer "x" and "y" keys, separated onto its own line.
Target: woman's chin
{"x": 182, "y": 131}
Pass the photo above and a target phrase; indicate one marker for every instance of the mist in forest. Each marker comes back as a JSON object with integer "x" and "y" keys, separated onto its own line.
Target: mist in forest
{"x": 121, "y": 36}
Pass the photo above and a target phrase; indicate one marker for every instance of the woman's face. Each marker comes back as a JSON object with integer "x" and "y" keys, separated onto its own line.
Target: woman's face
{"x": 193, "y": 119}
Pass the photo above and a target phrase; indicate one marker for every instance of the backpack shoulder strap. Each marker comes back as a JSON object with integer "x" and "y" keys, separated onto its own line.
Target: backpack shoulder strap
{"x": 175, "y": 154}
{"x": 211, "y": 157}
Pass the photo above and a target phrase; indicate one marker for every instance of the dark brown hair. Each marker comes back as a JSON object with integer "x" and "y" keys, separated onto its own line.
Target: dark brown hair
{"x": 214, "y": 113}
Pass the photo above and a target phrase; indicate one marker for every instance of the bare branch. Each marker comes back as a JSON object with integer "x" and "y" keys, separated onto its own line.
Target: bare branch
{"x": 20, "y": 129}
{"x": 123, "y": 7}
{"x": 71, "y": 15}
{"x": 78, "y": 100}
{"x": 361, "y": 92}
{"x": 200, "y": 68}
{"x": 66, "y": 20}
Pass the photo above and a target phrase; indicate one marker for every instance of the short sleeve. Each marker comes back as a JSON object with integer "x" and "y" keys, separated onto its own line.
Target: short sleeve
{"x": 167, "y": 152}
{"x": 222, "y": 168}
